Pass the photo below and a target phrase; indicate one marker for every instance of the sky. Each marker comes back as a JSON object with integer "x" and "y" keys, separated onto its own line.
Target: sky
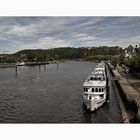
{"x": 19, "y": 33}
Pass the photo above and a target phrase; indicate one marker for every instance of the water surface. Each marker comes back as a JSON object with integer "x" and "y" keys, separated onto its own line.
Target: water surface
{"x": 51, "y": 94}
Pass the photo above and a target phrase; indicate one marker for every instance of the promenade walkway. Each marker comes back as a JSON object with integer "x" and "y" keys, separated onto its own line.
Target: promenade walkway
{"x": 129, "y": 85}
{"x": 133, "y": 81}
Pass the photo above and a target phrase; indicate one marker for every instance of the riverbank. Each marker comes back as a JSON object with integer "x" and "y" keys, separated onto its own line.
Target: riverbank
{"x": 7, "y": 65}
{"x": 36, "y": 63}
{"x": 129, "y": 94}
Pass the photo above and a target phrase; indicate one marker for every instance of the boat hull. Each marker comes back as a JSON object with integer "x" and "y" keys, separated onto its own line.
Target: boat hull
{"x": 93, "y": 104}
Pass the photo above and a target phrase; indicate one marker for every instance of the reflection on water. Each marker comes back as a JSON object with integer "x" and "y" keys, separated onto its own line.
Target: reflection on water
{"x": 51, "y": 94}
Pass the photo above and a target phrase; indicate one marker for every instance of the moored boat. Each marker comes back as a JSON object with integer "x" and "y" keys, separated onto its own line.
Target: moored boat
{"x": 20, "y": 63}
{"x": 95, "y": 88}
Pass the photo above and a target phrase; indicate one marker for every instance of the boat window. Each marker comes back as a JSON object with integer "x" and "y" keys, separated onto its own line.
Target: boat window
{"x": 92, "y": 89}
{"x": 86, "y": 89}
{"x": 96, "y": 89}
{"x": 99, "y": 78}
{"x": 102, "y": 89}
{"x": 99, "y": 89}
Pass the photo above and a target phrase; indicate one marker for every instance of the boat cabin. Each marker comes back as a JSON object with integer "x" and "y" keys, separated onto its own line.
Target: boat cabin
{"x": 94, "y": 93}
{"x": 97, "y": 90}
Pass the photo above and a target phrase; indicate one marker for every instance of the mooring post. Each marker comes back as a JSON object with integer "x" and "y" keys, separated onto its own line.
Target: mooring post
{"x": 39, "y": 67}
{"x": 44, "y": 67}
{"x": 16, "y": 69}
{"x": 57, "y": 65}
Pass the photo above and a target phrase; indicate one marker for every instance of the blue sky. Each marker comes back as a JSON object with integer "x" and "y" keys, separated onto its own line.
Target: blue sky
{"x": 18, "y": 33}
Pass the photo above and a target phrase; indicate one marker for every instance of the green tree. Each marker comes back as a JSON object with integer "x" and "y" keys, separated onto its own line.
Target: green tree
{"x": 114, "y": 61}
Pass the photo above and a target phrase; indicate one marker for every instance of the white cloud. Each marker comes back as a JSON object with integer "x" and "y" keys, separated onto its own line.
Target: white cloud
{"x": 45, "y": 43}
{"x": 133, "y": 40}
{"x": 22, "y": 30}
{"x": 19, "y": 30}
{"x": 83, "y": 37}
{"x": 123, "y": 42}
{"x": 87, "y": 38}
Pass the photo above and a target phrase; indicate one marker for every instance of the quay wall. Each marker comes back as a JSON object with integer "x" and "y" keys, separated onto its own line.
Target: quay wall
{"x": 129, "y": 95}
{"x": 125, "y": 116}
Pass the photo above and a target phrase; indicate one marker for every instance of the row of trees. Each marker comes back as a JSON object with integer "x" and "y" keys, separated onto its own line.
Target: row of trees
{"x": 133, "y": 64}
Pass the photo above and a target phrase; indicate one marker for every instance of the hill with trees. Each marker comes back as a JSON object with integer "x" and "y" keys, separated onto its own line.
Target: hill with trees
{"x": 86, "y": 53}
{"x": 129, "y": 57}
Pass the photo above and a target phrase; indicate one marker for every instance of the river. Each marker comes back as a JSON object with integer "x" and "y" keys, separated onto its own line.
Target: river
{"x": 51, "y": 94}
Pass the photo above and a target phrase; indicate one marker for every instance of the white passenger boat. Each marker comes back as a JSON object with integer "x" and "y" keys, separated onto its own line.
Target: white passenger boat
{"x": 95, "y": 88}
{"x": 20, "y": 63}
